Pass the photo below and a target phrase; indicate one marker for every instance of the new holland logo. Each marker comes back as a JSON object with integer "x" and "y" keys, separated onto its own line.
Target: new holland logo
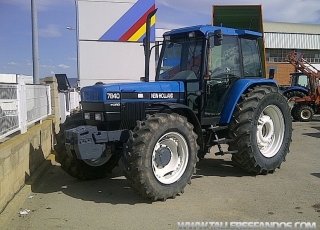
{"x": 161, "y": 95}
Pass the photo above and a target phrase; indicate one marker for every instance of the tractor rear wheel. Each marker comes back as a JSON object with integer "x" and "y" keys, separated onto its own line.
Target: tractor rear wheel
{"x": 81, "y": 169}
{"x": 304, "y": 113}
{"x": 261, "y": 130}
{"x": 160, "y": 156}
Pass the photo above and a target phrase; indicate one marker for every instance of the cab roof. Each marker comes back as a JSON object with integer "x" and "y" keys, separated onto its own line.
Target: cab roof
{"x": 206, "y": 30}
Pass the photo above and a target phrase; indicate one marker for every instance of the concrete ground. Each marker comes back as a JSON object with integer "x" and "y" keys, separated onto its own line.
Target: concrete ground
{"x": 219, "y": 192}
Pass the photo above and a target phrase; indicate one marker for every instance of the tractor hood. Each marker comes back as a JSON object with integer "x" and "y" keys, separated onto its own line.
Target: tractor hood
{"x": 141, "y": 91}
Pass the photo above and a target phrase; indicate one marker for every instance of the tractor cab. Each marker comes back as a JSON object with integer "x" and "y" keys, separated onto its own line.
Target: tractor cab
{"x": 299, "y": 87}
{"x": 209, "y": 60}
{"x": 299, "y": 79}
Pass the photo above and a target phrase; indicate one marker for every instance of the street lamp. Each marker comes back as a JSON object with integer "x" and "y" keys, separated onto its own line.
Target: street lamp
{"x": 35, "y": 45}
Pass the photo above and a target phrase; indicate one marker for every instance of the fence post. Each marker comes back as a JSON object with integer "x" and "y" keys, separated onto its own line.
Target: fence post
{"x": 22, "y": 105}
{"x": 49, "y": 112}
{"x": 62, "y": 101}
{"x": 55, "y": 105}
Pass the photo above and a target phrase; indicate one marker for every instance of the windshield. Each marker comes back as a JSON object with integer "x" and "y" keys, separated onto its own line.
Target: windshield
{"x": 300, "y": 80}
{"x": 224, "y": 60}
{"x": 181, "y": 59}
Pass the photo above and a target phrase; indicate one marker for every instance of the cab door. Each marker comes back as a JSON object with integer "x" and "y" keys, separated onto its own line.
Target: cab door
{"x": 223, "y": 68}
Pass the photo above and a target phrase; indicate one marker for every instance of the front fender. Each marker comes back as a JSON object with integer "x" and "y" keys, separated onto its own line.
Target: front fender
{"x": 182, "y": 110}
{"x": 186, "y": 112}
{"x": 237, "y": 90}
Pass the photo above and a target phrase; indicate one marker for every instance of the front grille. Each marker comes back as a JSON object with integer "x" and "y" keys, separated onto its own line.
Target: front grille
{"x": 130, "y": 113}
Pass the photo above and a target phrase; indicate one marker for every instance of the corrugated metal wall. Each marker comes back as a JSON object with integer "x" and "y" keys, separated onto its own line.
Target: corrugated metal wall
{"x": 291, "y": 41}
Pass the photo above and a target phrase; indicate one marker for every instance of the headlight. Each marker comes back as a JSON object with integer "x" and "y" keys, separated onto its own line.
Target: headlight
{"x": 97, "y": 116}
{"x": 87, "y": 116}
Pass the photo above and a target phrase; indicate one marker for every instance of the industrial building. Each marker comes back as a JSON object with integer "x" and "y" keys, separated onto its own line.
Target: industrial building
{"x": 282, "y": 38}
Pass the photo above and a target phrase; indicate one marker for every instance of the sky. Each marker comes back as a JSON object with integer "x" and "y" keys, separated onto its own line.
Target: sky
{"x": 57, "y": 44}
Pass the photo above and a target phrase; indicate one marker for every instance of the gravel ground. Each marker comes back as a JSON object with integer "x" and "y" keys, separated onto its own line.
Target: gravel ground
{"x": 220, "y": 192}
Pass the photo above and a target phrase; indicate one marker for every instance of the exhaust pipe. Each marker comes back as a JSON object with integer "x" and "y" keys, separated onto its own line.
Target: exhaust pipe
{"x": 146, "y": 44}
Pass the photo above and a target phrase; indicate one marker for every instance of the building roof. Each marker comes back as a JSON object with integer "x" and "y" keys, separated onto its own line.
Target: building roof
{"x": 294, "y": 28}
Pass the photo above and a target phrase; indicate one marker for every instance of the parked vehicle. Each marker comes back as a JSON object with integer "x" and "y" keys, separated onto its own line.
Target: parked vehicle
{"x": 299, "y": 86}
{"x": 213, "y": 93}
{"x": 304, "y": 104}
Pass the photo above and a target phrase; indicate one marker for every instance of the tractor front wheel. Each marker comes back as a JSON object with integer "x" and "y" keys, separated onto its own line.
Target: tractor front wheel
{"x": 261, "y": 130}
{"x": 81, "y": 169}
{"x": 294, "y": 94}
{"x": 160, "y": 156}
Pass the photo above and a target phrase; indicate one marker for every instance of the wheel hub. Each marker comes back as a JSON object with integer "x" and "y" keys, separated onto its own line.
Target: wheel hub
{"x": 270, "y": 131}
{"x": 170, "y": 157}
{"x": 162, "y": 156}
{"x": 305, "y": 114}
{"x": 265, "y": 131}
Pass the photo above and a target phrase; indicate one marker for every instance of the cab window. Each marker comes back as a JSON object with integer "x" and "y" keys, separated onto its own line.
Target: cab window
{"x": 251, "y": 58}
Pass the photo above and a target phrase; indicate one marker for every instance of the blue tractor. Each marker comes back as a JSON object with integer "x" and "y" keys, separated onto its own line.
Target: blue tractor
{"x": 299, "y": 87}
{"x": 210, "y": 89}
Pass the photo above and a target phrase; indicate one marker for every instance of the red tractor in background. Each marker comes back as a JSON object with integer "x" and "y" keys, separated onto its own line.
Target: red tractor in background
{"x": 305, "y": 107}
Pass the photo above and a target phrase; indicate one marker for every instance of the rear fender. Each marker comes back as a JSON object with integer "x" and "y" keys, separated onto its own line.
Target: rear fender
{"x": 240, "y": 87}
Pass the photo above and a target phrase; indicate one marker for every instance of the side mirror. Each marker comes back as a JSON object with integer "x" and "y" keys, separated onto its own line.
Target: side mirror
{"x": 271, "y": 73}
{"x": 218, "y": 37}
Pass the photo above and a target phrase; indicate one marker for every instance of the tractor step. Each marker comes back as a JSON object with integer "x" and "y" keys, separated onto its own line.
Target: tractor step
{"x": 217, "y": 128}
{"x": 221, "y": 153}
{"x": 222, "y": 141}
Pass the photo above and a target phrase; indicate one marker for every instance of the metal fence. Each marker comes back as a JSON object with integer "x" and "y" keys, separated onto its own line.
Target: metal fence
{"x": 22, "y": 105}
{"x": 69, "y": 101}
{"x": 38, "y": 102}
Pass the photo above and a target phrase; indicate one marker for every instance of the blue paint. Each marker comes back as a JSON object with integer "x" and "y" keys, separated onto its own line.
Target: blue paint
{"x": 237, "y": 90}
{"x": 296, "y": 88}
{"x": 98, "y": 93}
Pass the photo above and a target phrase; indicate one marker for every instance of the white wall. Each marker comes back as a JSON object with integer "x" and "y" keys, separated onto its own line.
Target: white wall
{"x": 112, "y": 62}
{"x": 14, "y": 78}
{"x": 107, "y": 61}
